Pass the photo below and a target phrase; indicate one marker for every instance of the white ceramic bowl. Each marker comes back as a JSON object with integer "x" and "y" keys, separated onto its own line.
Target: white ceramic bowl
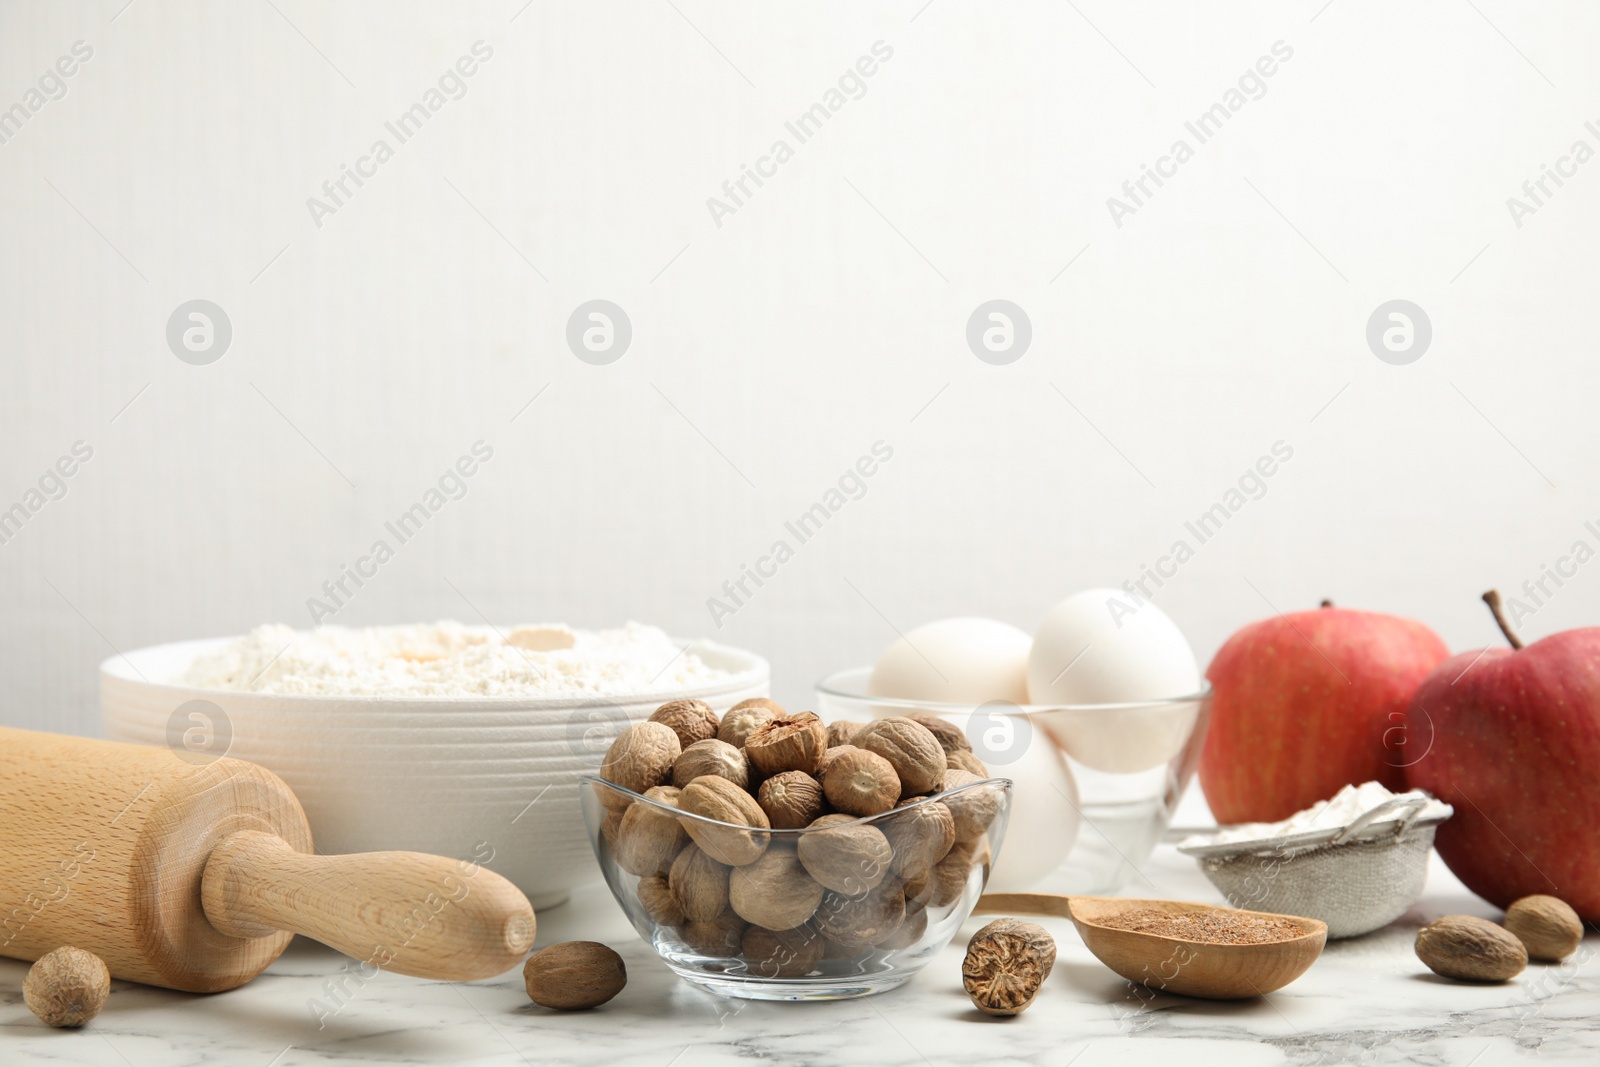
{"x": 465, "y": 777}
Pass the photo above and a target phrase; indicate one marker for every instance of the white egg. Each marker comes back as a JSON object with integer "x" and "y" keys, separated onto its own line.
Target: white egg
{"x": 1125, "y": 740}
{"x": 1044, "y": 818}
{"x": 955, "y": 661}
{"x": 1098, "y": 647}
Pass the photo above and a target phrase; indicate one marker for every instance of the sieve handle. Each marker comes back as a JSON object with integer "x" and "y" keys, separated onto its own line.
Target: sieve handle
{"x": 1412, "y": 806}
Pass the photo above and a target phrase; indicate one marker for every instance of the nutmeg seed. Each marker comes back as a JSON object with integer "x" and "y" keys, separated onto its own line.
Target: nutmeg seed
{"x": 745, "y": 717}
{"x": 844, "y": 855}
{"x": 1470, "y": 948}
{"x": 966, "y": 761}
{"x": 650, "y": 836}
{"x": 859, "y": 782}
{"x": 641, "y": 757}
{"x": 859, "y": 921}
{"x": 840, "y": 732}
{"x": 66, "y": 987}
{"x": 691, "y": 720}
{"x": 948, "y": 734}
{"x": 920, "y": 836}
{"x": 792, "y": 800}
{"x": 827, "y": 758}
{"x": 775, "y": 891}
{"x": 944, "y": 884}
{"x": 713, "y": 757}
{"x": 574, "y": 975}
{"x": 910, "y": 931}
{"x": 720, "y": 800}
{"x": 715, "y": 937}
{"x": 611, "y": 826}
{"x": 910, "y": 748}
{"x": 655, "y": 896}
{"x": 1547, "y": 925}
{"x": 972, "y": 809}
{"x": 699, "y": 884}
{"x": 1006, "y": 963}
{"x": 782, "y": 953}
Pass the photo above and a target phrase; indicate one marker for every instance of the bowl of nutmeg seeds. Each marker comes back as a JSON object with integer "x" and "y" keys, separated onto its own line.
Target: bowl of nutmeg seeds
{"x": 764, "y": 856}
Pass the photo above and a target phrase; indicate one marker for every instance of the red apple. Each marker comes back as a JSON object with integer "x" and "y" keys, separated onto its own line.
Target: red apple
{"x": 1516, "y": 750}
{"x": 1308, "y": 703}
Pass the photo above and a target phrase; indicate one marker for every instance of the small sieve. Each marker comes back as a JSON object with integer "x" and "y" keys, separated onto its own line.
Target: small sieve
{"x": 1356, "y": 878}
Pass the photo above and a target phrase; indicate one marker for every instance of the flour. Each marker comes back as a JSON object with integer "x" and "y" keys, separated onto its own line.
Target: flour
{"x": 449, "y": 659}
{"x": 1347, "y": 805}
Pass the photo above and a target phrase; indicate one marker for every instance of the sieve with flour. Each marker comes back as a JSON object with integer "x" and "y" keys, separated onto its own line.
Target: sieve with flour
{"x": 1356, "y": 878}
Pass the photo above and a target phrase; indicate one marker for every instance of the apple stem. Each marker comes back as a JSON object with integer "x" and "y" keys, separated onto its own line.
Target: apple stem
{"x": 1326, "y": 602}
{"x": 1492, "y": 598}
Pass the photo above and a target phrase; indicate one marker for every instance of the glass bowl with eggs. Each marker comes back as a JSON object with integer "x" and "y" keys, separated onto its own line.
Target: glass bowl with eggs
{"x": 1098, "y": 719}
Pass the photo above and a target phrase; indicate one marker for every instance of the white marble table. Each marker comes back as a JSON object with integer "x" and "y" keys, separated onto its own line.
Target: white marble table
{"x": 1365, "y": 1001}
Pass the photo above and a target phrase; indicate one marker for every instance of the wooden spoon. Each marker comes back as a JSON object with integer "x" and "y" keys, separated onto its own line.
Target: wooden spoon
{"x": 1173, "y": 964}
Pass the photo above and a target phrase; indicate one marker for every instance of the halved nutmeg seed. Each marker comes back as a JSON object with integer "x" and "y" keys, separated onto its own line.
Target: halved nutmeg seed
{"x": 1006, "y": 963}
{"x": 788, "y": 743}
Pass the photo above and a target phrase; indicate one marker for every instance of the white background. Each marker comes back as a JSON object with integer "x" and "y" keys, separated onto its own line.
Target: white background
{"x": 828, "y": 313}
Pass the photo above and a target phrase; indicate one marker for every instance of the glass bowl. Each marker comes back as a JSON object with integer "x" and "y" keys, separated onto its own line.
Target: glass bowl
{"x": 843, "y": 910}
{"x": 1095, "y": 785}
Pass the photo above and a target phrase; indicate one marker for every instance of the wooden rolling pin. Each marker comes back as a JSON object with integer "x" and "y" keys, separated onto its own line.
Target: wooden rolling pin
{"x": 196, "y": 877}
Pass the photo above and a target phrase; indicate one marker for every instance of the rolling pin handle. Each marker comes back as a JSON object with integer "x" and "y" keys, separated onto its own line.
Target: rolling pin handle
{"x": 406, "y": 912}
